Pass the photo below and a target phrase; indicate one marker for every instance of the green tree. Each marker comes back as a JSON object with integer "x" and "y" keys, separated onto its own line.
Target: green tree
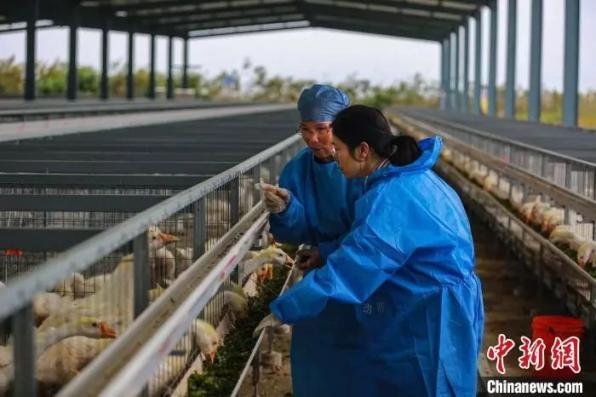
{"x": 88, "y": 80}
{"x": 11, "y": 77}
{"x": 141, "y": 82}
{"x": 51, "y": 79}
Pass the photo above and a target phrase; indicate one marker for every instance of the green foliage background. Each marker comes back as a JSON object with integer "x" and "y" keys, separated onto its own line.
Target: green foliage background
{"x": 254, "y": 83}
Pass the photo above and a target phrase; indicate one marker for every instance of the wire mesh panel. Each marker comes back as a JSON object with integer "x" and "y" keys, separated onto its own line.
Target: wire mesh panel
{"x": 88, "y": 308}
{"x": 31, "y": 235}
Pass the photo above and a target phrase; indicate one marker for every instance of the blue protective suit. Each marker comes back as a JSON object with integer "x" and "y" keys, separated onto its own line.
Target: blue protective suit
{"x": 320, "y": 212}
{"x": 406, "y": 270}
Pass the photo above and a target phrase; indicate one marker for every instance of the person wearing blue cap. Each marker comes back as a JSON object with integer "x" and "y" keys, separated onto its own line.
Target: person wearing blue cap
{"x": 314, "y": 204}
{"x": 405, "y": 271}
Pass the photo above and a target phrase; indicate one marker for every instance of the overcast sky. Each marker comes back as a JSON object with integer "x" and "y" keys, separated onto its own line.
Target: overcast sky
{"x": 329, "y": 55}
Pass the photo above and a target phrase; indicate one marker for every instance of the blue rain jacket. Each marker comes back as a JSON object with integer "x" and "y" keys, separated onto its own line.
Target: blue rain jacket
{"x": 406, "y": 271}
{"x": 320, "y": 212}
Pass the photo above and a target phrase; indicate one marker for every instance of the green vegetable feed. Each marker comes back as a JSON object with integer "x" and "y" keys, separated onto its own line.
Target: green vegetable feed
{"x": 219, "y": 378}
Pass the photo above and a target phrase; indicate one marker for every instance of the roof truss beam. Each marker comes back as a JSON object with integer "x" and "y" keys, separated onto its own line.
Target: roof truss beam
{"x": 371, "y": 29}
{"x": 246, "y": 12}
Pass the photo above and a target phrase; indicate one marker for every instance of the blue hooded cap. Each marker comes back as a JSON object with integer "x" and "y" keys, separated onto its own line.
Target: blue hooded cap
{"x": 321, "y": 103}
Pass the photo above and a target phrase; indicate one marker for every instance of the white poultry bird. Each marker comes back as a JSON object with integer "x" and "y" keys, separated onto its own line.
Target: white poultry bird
{"x": 586, "y": 255}
{"x": 163, "y": 266}
{"x": 64, "y": 360}
{"x": 273, "y": 255}
{"x": 158, "y": 239}
{"x": 45, "y": 304}
{"x": 478, "y": 175}
{"x": 460, "y": 163}
{"x": 447, "y": 155}
{"x": 114, "y": 301}
{"x": 237, "y": 304}
{"x": 95, "y": 283}
{"x": 563, "y": 236}
{"x": 183, "y": 258}
{"x": 538, "y": 211}
{"x": 74, "y": 286}
{"x": 206, "y": 338}
{"x": 162, "y": 261}
{"x": 526, "y": 209}
{"x": 85, "y": 326}
{"x": 490, "y": 183}
{"x": 552, "y": 218}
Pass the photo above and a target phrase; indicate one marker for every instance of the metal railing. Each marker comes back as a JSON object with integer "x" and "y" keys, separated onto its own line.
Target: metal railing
{"x": 553, "y": 268}
{"x": 577, "y": 175}
{"x": 203, "y": 220}
{"x": 517, "y": 175}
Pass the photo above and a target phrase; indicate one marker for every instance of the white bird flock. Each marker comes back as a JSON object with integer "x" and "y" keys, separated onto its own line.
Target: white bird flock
{"x": 79, "y": 317}
{"x": 542, "y": 216}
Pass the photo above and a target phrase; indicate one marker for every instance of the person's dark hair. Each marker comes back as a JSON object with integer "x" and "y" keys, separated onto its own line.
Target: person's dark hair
{"x": 359, "y": 123}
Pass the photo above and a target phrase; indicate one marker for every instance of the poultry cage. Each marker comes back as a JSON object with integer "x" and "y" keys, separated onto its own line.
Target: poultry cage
{"x": 89, "y": 304}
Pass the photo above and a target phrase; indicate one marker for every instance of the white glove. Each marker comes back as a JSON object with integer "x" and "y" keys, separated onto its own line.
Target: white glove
{"x": 268, "y": 321}
{"x": 276, "y": 199}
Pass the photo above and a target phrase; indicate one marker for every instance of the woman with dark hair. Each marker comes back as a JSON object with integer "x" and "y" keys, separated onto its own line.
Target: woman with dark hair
{"x": 406, "y": 270}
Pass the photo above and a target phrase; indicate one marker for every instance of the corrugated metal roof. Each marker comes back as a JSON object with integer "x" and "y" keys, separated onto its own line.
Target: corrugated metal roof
{"x": 417, "y": 19}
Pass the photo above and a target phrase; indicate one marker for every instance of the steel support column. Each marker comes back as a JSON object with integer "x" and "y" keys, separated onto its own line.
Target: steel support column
{"x": 72, "y": 86}
{"x": 170, "y": 88}
{"x": 104, "y": 90}
{"x": 151, "y": 88}
{"x": 465, "y": 103}
{"x": 492, "y": 61}
{"x": 478, "y": 65}
{"x": 130, "y": 76}
{"x": 23, "y": 332}
{"x": 443, "y": 79}
{"x": 30, "y": 63}
{"x": 142, "y": 276}
{"x": 571, "y": 64}
{"x": 448, "y": 72}
{"x": 511, "y": 48}
{"x": 457, "y": 91}
{"x": 534, "y": 100}
{"x": 185, "y": 64}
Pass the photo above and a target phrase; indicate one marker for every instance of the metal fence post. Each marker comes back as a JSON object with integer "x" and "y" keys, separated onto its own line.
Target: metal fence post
{"x": 273, "y": 170}
{"x": 199, "y": 228}
{"x": 256, "y": 177}
{"x": 234, "y": 203}
{"x": 256, "y": 373}
{"x": 141, "y": 273}
{"x": 23, "y": 331}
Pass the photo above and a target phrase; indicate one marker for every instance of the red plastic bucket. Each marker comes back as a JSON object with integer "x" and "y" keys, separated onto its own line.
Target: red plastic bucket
{"x": 548, "y": 328}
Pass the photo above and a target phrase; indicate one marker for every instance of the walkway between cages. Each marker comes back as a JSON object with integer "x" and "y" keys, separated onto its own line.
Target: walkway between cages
{"x": 75, "y": 125}
{"x": 53, "y": 108}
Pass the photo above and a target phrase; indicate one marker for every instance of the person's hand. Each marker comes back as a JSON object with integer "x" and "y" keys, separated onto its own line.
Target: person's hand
{"x": 276, "y": 199}
{"x": 269, "y": 321}
{"x": 310, "y": 258}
